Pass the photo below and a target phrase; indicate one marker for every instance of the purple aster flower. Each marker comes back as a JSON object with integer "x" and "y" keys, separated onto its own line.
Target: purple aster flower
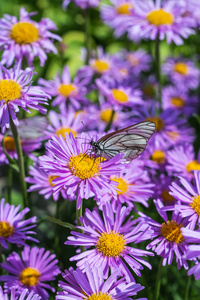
{"x": 152, "y": 19}
{"x": 179, "y": 99}
{"x": 64, "y": 123}
{"x": 162, "y": 189}
{"x": 25, "y": 295}
{"x": 84, "y": 4}
{"x": 181, "y": 161}
{"x": 32, "y": 271}
{"x": 43, "y": 182}
{"x": 167, "y": 237}
{"x": 133, "y": 187}
{"x": 118, "y": 15}
{"x": 138, "y": 61}
{"x": 107, "y": 240}
{"x": 17, "y": 92}
{"x": 188, "y": 195}
{"x": 182, "y": 72}
{"x": 26, "y": 38}
{"x": 92, "y": 285}
{"x": 65, "y": 90}
{"x": 78, "y": 171}
{"x": 13, "y": 229}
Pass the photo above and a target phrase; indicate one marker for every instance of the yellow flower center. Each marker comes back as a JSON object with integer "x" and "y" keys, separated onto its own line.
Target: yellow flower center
{"x": 85, "y": 166}
{"x": 101, "y": 66}
{"x": 9, "y": 90}
{"x": 67, "y": 89}
{"x": 158, "y": 121}
{"x": 29, "y": 276}
{"x": 133, "y": 60}
{"x": 6, "y": 229}
{"x": 51, "y": 178}
{"x": 173, "y": 135}
{"x": 160, "y": 17}
{"x": 124, "y": 9}
{"x": 111, "y": 244}
{"x": 99, "y": 296}
{"x": 106, "y": 114}
{"x": 166, "y": 196}
{"x": 64, "y": 130}
{"x": 24, "y": 33}
{"x": 196, "y": 204}
{"x": 177, "y": 101}
{"x": 119, "y": 96}
{"x": 193, "y": 165}
{"x": 122, "y": 185}
{"x": 158, "y": 156}
{"x": 9, "y": 143}
{"x": 172, "y": 231}
{"x": 181, "y": 68}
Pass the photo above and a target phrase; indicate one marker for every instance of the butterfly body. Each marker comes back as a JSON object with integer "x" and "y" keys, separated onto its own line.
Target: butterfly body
{"x": 131, "y": 141}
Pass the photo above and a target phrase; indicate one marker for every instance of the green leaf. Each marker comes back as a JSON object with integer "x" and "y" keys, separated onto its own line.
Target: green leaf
{"x": 61, "y": 223}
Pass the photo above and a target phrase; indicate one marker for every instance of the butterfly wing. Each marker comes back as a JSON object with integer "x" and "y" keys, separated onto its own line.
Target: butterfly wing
{"x": 131, "y": 140}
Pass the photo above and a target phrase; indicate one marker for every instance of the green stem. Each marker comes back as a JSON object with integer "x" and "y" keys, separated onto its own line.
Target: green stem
{"x": 158, "y": 280}
{"x": 110, "y": 121}
{"x": 187, "y": 290}
{"x": 157, "y": 63}
{"x": 20, "y": 161}
{"x": 79, "y": 213}
{"x": 9, "y": 186}
{"x": 56, "y": 238}
{"x": 87, "y": 34}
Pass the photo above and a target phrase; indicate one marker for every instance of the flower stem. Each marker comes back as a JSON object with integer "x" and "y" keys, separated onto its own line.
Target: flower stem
{"x": 20, "y": 161}
{"x": 158, "y": 280}
{"x": 187, "y": 289}
{"x": 87, "y": 34}
{"x": 110, "y": 121}
{"x": 157, "y": 63}
{"x": 79, "y": 213}
{"x": 9, "y": 186}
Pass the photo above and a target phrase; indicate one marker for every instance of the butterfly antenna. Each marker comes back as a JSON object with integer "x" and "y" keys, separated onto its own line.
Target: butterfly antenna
{"x": 86, "y": 130}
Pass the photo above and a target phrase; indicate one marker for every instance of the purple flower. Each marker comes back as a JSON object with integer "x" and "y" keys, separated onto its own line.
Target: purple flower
{"x": 107, "y": 240}
{"x": 189, "y": 199}
{"x": 26, "y": 38}
{"x": 167, "y": 237}
{"x": 84, "y": 4}
{"x": 138, "y": 61}
{"x": 133, "y": 187}
{"x": 91, "y": 284}
{"x": 24, "y": 295}
{"x": 16, "y": 91}
{"x": 78, "y": 171}
{"x": 182, "y": 72}
{"x": 13, "y": 229}
{"x": 31, "y": 271}
{"x": 162, "y": 189}
{"x": 65, "y": 90}
{"x": 181, "y": 161}
{"x": 151, "y": 19}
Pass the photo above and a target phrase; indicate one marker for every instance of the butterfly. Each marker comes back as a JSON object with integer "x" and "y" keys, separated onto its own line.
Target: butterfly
{"x": 131, "y": 141}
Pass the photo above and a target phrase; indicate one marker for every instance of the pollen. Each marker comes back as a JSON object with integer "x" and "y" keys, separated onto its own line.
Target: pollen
{"x": 124, "y": 9}
{"x": 6, "y": 229}
{"x": 177, "y": 101}
{"x": 111, "y": 244}
{"x": 166, "y": 196}
{"x": 51, "y": 178}
{"x": 106, "y": 114}
{"x": 119, "y": 96}
{"x": 193, "y": 165}
{"x": 24, "y": 33}
{"x": 29, "y": 276}
{"x": 64, "y": 130}
{"x": 9, "y": 90}
{"x": 85, "y": 166}
{"x": 158, "y": 156}
{"x": 122, "y": 185}
{"x": 9, "y": 143}
{"x": 158, "y": 121}
{"x": 196, "y": 204}
{"x": 101, "y": 66}
{"x": 172, "y": 231}
{"x": 99, "y": 296}
{"x": 181, "y": 68}
{"x": 160, "y": 17}
{"x": 67, "y": 89}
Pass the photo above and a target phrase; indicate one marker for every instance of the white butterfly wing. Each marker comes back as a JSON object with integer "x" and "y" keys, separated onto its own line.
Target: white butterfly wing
{"x": 131, "y": 140}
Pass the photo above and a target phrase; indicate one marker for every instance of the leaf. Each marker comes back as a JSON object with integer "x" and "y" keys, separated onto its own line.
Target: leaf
{"x": 61, "y": 223}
